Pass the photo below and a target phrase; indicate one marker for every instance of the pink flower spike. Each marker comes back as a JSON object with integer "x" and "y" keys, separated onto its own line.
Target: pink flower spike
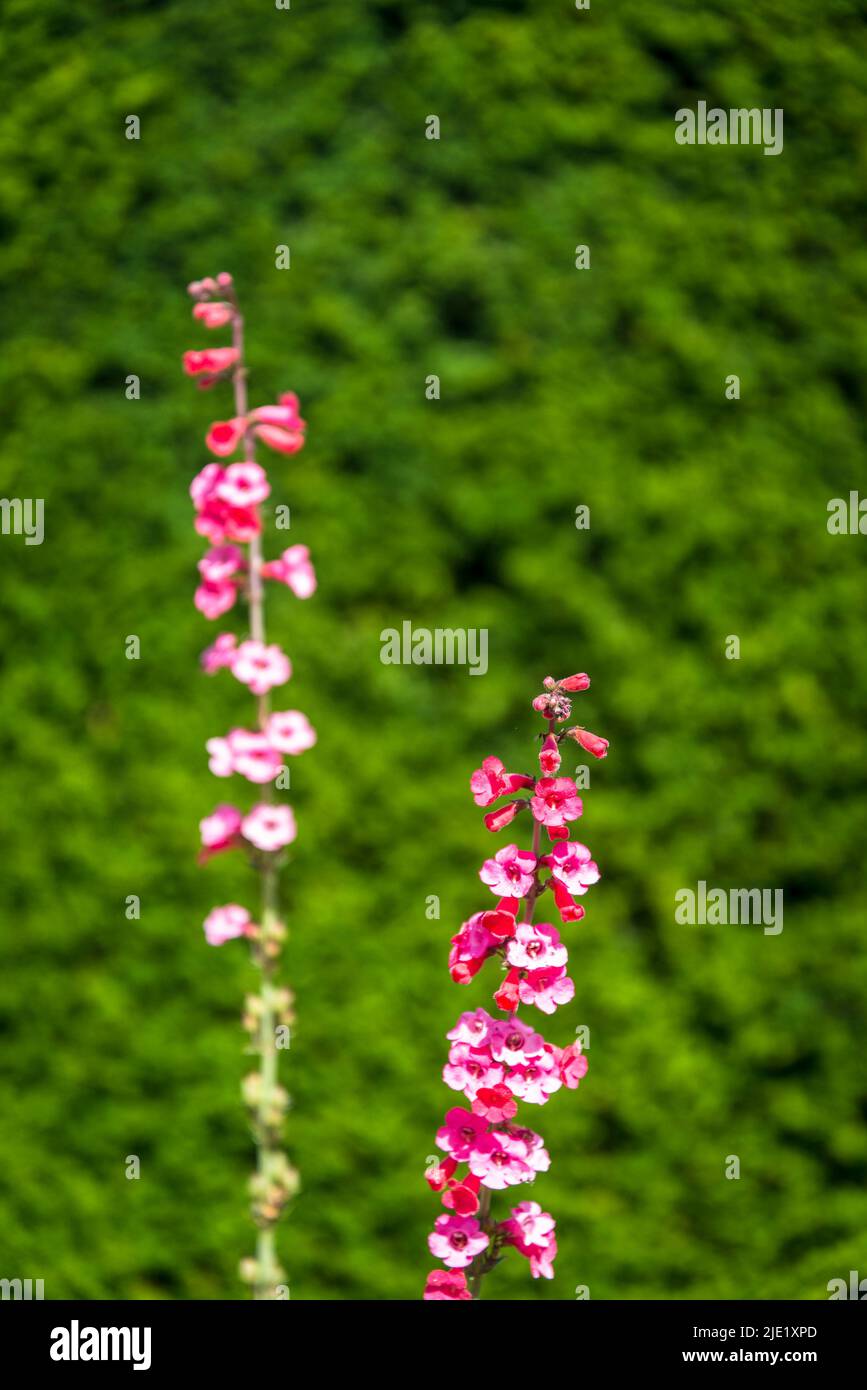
{"x": 549, "y": 756}
{"x": 446, "y": 1285}
{"x": 213, "y": 314}
{"x": 510, "y": 873}
{"x": 293, "y": 569}
{"x": 457, "y": 1240}
{"x": 224, "y": 436}
{"x": 219, "y": 830}
{"x": 243, "y": 485}
{"x": 290, "y": 732}
{"x": 260, "y": 667}
{"x": 269, "y": 828}
{"x": 220, "y": 653}
{"x": 223, "y": 924}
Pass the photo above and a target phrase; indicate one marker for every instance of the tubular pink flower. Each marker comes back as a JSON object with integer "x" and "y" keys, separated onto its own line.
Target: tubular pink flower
{"x": 224, "y": 436}
{"x": 221, "y": 653}
{"x": 450, "y": 1285}
{"x": 290, "y": 732}
{"x": 269, "y": 828}
{"x": 293, "y": 569}
{"x": 209, "y": 365}
{"x": 213, "y": 597}
{"x": 220, "y": 829}
{"x": 536, "y": 946}
{"x": 510, "y": 873}
{"x": 491, "y": 780}
{"x": 556, "y": 801}
{"x": 572, "y": 863}
{"x": 254, "y": 756}
{"x": 547, "y": 988}
{"x": 572, "y": 1065}
{"x": 457, "y": 1240}
{"x": 461, "y": 1131}
{"x": 221, "y": 563}
{"x": 591, "y": 742}
{"x": 243, "y": 485}
{"x": 261, "y": 667}
{"x": 549, "y": 756}
{"x": 223, "y": 924}
{"x": 214, "y": 314}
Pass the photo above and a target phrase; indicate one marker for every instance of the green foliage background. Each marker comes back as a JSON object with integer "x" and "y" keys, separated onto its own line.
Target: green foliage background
{"x": 603, "y": 387}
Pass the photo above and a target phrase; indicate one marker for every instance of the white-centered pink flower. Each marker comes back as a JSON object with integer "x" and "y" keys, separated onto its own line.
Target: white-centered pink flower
{"x": 221, "y": 563}
{"x": 572, "y": 863}
{"x": 290, "y": 731}
{"x": 243, "y": 485}
{"x": 221, "y": 653}
{"x": 246, "y": 752}
{"x": 555, "y": 801}
{"x": 213, "y": 598}
{"x": 261, "y": 667}
{"x": 510, "y": 872}
{"x": 269, "y": 828}
{"x": 253, "y": 755}
{"x": 220, "y": 828}
{"x": 546, "y": 988}
{"x": 536, "y": 945}
{"x": 457, "y": 1240}
{"x": 461, "y": 1132}
{"x": 225, "y": 923}
{"x": 497, "y": 1164}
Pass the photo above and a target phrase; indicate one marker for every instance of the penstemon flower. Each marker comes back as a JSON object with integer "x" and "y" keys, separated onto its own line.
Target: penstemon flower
{"x": 497, "y": 1061}
{"x": 228, "y": 499}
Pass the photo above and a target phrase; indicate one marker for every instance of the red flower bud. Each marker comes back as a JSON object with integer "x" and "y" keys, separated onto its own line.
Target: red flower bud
{"x": 579, "y": 682}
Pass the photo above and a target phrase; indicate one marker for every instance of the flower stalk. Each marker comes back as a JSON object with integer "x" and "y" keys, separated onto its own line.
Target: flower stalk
{"x": 228, "y": 503}
{"x": 496, "y": 1062}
